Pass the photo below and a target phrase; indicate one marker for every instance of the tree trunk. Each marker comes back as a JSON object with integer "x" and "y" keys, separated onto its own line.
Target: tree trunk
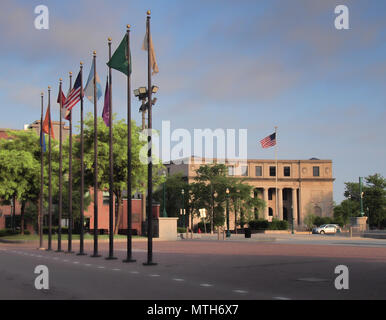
{"x": 22, "y": 218}
{"x": 117, "y": 214}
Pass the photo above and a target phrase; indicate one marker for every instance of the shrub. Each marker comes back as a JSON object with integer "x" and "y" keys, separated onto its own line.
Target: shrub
{"x": 322, "y": 220}
{"x": 181, "y": 230}
{"x": 7, "y": 232}
{"x": 259, "y": 224}
{"x": 278, "y": 225}
{"x": 201, "y": 226}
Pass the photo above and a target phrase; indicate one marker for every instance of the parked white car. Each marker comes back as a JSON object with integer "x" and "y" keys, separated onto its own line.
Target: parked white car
{"x": 326, "y": 228}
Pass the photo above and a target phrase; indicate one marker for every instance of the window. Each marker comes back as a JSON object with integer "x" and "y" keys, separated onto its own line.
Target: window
{"x": 259, "y": 171}
{"x": 287, "y": 171}
{"x": 272, "y": 171}
{"x": 270, "y": 194}
{"x": 231, "y": 171}
{"x": 244, "y": 171}
{"x": 285, "y": 194}
{"x": 315, "y": 171}
{"x": 106, "y": 197}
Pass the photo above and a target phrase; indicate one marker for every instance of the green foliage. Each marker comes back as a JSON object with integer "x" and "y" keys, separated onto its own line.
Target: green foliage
{"x": 261, "y": 224}
{"x": 181, "y": 230}
{"x": 322, "y": 220}
{"x": 374, "y": 201}
{"x": 309, "y": 220}
{"x": 7, "y": 232}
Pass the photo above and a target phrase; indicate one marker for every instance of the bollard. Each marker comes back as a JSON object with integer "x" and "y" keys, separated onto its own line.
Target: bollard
{"x": 223, "y": 234}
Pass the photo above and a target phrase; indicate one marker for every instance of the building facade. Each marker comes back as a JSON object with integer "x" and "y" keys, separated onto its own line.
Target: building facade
{"x": 298, "y": 188}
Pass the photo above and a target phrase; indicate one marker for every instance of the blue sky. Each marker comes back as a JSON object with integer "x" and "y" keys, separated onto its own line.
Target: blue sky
{"x": 223, "y": 64}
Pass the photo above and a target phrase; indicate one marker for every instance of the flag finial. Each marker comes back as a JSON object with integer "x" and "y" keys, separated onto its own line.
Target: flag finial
{"x": 81, "y": 63}
{"x": 42, "y": 94}
{"x": 70, "y": 72}
{"x": 148, "y": 12}
{"x": 128, "y": 26}
{"x": 94, "y": 53}
{"x": 60, "y": 79}
{"x": 109, "y": 39}
{"x": 49, "y": 87}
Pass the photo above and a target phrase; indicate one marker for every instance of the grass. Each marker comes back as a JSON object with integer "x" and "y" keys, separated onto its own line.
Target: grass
{"x": 87, "y": 236}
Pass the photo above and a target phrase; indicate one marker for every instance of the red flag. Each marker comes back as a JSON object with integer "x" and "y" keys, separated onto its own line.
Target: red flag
{"x": 47, "y": 122}
{"x": 63, "y": 110}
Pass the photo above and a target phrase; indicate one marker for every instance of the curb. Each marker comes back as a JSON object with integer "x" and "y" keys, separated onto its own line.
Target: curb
{"x": 11, "y": 241}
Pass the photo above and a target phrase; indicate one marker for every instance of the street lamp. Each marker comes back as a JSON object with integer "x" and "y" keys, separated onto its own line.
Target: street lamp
{"x": 228, "y": 231}
{"x": 293, "y": 219}
{"x": 164, "y": 214}
{"x": 183, "y": 208}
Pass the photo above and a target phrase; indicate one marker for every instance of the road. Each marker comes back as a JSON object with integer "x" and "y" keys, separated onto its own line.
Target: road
{"x": 283, "y": 268}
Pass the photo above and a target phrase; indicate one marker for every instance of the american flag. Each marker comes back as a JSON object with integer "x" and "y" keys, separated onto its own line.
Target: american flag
{"x": 74, "y": 96}
{"x": 269, "y": 141}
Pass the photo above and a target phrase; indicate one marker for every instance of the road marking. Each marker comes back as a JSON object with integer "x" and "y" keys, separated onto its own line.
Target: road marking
{"x": 206, "y": 285}
{"x": 75, "y": 262}
{"x": 56, "y": 258}
{"x": 100, "y": 267}
{"x": 116, "y": 269}
{"x": 154, "y": 275}
{"x": 240, "y": 291}
{"x": 65, "y": 260}
{"x": 134, "y": 272}
{"x": 178, "y": 279}
{"x": 87, "y": 264}
{"x": 281, "y": 298}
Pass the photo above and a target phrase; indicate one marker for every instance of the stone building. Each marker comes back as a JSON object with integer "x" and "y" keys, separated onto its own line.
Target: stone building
{"x": 303, "y": 186}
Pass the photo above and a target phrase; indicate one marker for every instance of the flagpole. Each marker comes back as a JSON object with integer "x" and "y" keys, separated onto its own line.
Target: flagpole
{"x": 49, "y": 174}
{"x": 129, "y": 166}
{"x": 276, "y": 174}
{"x": 111, "y": 168}
{"x": 41, "y": 209}
{"x": 95, "y": 254}
{"x": 81, "y": 242}
{"x": 149, "y": 155}
{"x": 60, "y": 169}
{"x": 70, "y": 179}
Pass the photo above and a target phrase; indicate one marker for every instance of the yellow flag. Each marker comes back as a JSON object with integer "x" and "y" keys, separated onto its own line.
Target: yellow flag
{"x": 153, "y": 61}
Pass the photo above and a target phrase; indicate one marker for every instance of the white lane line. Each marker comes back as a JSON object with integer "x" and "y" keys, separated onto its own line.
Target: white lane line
{"x": 56, "y": 258}
{"x": 178, "y": 279}
{"x": 281, "y": 298}
{"x": 116, "y": 269}
{"x": 75, "y": 262}
{"x": 65, "y": 260}
{"x": 154, "y": 275}
{"x": 240, "y": 291}
{"x": 134, "y": 272}
{"x": 100, "y": 267}
{"x": 87, "y": 264}
{"x": 206, "y": 285}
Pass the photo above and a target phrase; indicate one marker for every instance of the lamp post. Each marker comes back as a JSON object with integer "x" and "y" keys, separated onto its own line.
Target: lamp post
{"x": 293, "y": 220}
{"x": 183, "y": 208}
{"x": 228, "y": 231}
{"x": 164, "y": 214}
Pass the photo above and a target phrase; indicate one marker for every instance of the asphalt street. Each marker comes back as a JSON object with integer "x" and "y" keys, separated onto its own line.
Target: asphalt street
{"x": 281, "y": 268}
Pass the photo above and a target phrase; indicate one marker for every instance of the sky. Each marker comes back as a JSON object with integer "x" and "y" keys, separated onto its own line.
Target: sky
{"x": 222, "y": 64}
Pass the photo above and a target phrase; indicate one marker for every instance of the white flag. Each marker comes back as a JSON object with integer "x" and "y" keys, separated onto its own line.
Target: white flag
{"x": 153, "y": 61}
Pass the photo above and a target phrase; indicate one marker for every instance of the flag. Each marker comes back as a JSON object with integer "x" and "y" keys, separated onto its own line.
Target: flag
{"x": 153, "y": 61}
{"x": 89, "y": 89}
{"x": 74, "y": 96}
{"x": 269, "y": 141}
{"x": 63, "y": 110}
{"x": 43, "y": 141}
{"x": 47, "y": 123}
{"x": 120, "y": 58}
{"x": 106, "y": 107}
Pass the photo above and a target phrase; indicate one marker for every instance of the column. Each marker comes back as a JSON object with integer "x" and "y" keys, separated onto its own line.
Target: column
{"x": 295, "y": 206}
{"x": 280, "y": 203}
{"x": 265, "y": 197}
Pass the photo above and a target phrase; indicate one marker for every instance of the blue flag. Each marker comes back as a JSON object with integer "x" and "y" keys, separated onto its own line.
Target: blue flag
{"x": 89, "y": 89}
{"x": 43, "y": 141}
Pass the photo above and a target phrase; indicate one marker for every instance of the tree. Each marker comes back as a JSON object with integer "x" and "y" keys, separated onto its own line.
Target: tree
{"x": 374, "y": 201}
{"x": 139, "y": 170}
{"x": 20, "y": 169}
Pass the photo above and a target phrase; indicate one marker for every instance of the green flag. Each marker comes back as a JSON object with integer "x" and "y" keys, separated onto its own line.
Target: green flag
{"x": 119, "y": 60}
